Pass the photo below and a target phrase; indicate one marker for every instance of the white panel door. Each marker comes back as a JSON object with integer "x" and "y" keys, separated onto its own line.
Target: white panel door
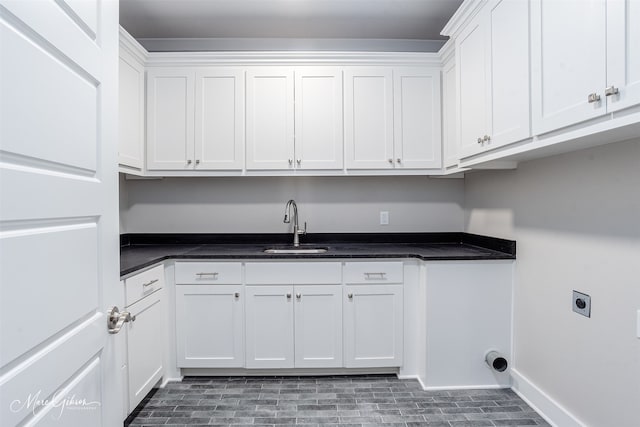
{"x": 270, "y": 121}
{"x": 568, "y": 40}
{"x": 219, "y": 118}
{"x": 318, "y": 118}
{"x": 170, "y": 124}
{"x": 59, "y": 244}
{"x": 418, "y": 136}
{"x": 210, "y": 326}
{"x": 473, "y": 87}
{"x": 373, "y": 326}
{"x": 508, "y": 22}
{"x": 623, "y": 53}
{"x": 318, "y": 326}
{"x": 269, "y": 327}
{"x": 368, "y": 117}
{"x": 131, "y": 112}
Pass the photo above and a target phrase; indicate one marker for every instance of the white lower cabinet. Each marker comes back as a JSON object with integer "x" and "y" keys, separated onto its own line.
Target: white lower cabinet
{"x": 210, "y": 326}
{"x": 209, "y": 315}
{"x": 144, "y": 366}
{"x": 373, "y": 326}
{"x": 145, "y": 345}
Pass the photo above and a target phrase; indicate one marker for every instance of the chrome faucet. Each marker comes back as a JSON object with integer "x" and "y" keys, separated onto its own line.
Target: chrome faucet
{"x": 287, "y": 219}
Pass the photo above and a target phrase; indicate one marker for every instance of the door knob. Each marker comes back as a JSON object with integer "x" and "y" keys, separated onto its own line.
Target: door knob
{"x": 115, "y": 319}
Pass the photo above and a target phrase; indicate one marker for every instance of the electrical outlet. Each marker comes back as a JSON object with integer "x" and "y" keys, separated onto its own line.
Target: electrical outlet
{"x": 384, "y": 218}
{"x": 581, "y": 303}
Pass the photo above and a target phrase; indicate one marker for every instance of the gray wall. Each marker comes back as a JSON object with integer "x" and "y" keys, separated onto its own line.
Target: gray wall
{"x": 576, "y": 219}
{"x": 256, "y": 205}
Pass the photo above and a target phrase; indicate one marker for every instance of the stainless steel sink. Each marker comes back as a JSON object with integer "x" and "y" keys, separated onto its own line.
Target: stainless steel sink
{"x": 295, "y": 251}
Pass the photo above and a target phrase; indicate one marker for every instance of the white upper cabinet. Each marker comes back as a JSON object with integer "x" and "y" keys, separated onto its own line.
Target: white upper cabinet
{"x": 170, "y": 126}
{"x": 583, "y": 68}
{"x": 318, "y": 118}
{"x": 219, "y": 118}
{"x": 492, "y": 59}
{"x": 307, "y": 99}
{"x": 623, "y": 54}
{"x": 368, "y": 119}
{"x": 392, "y": 118}
{"x": 417, "y": 118}
{"x": 270, "y": 122}
{"x": 131, "y": 113}
{"x": 195, "y": 118}
{"x": 449, "y": 128}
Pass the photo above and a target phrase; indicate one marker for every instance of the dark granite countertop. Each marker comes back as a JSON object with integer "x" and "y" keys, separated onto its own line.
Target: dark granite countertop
{"x": 141, "y": 250}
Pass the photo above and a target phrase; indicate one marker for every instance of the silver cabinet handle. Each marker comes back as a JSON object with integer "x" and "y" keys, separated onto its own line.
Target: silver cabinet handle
{"x": 593, "y": 97}
{"x": 288, "y": 296}
{"x": 197, "y": 162}
{"x": 486, "y": 138}
{"x": 188, "y": 162}
{"x": 213, "y": 275}
{"x": 115, "y": 319}
{"x": 350, "y": 296}
{"x": 299, "y": 161}
{"x": 399, "y": 160}
{"x": 479, "y": 140}
{"x": 237, "y": 295}
{"x": 290, "y": 161}
{"x": 611, "y": 90}
{"x": 390, "y": 160}
{"x": 144, "y": 285}
{"x": 372, "y": 276}
{"x": 298, "y": 296}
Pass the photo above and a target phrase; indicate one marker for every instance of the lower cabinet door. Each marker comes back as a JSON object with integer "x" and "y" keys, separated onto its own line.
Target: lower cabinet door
{"x": 209, "y": 326}
{"x": 145, "y": 343}
{"x": 373, "y": 326}
{"x": 269, "y": 327}
{"x": 318, "y": 326}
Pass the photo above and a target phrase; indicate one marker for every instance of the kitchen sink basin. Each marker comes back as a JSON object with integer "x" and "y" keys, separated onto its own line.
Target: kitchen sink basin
{"x": 295, "y": 251}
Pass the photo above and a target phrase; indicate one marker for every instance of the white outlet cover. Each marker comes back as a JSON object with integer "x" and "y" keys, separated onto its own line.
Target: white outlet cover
{"x": 384, "y": 218}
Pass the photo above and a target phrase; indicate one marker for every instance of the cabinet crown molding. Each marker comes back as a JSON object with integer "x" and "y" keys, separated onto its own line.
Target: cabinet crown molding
{"x": 467, "y": 10}
{"x": 131, "y": 46}
{"x": 164, "y": 59}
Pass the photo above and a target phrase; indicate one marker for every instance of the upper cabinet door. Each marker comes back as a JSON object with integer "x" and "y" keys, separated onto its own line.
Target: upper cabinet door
{"x": 131, "y": 112}
{"x": 568, "y": 40}
{"x": 417, "y": 128}
{"x": 219, "y": 118}
{"x": 623, "y": 54}
{"x": 318, "y": 118}
{"x": 270, "y": 125}
{"x": 170, "y": 119}
{"x": 368, "y": 117}
{"x": 508, "y": 22}
{"x": 473, "y": 86}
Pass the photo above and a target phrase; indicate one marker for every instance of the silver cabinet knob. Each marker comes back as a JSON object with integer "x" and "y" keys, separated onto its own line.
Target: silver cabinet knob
{"x": 390, "y": 160}
{"x": 486, "y": 138}
{"x": 288, "y": 296}
{"x": 298, "y": 296}
{"x": 290, "y": 161}
{"x": 398, "y": 160}
{"x": 299, "y": 161}
{"x": 593, "y": 97}
{"x": 237, "y": 295}
{"x": 197, "y": 162}
{"x": 480, "y": 141}
{"x": 350, "y": 296}
{"x": 189, "y": 162}
{"x": 611, "y": 90}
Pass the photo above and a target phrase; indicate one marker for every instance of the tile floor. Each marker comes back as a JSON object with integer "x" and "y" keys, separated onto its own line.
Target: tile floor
{"x": 364, "y": 400}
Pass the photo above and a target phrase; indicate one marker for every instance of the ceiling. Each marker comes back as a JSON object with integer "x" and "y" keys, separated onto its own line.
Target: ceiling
{"x": 413, "y": 20}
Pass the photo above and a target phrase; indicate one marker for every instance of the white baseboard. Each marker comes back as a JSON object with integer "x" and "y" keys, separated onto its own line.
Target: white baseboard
{"x": 554, "y": 413}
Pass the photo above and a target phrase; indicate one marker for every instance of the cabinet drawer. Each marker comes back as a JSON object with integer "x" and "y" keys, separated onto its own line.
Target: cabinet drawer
{"x": 293, "y": 273}
{"x": 145, "y": 283}
{"x": 373, "y": 272}
{"x": 208, "y": 273}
